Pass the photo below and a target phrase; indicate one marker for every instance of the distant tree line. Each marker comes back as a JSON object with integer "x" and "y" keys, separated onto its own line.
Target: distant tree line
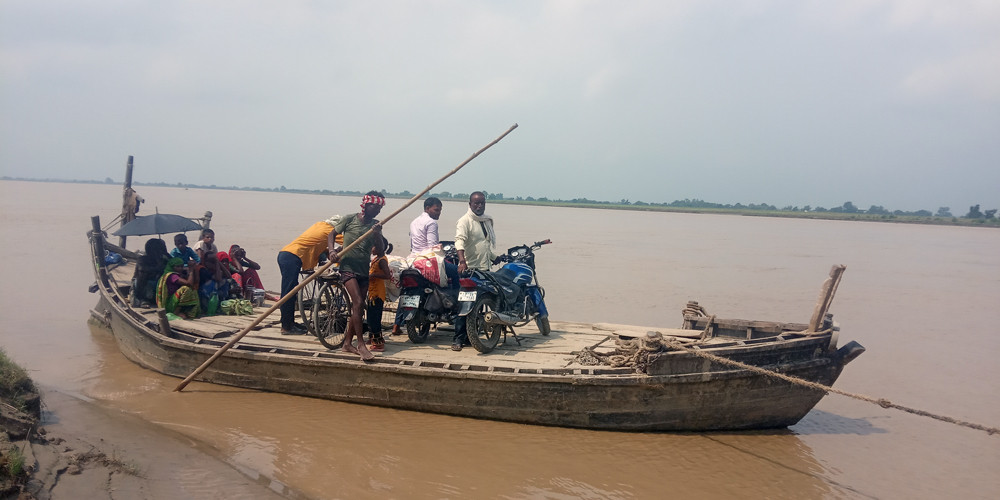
{"x": 848, "y": 208}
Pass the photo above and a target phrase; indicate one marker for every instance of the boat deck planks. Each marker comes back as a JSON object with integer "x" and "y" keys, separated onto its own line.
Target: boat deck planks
{"x": 556, "y": 351}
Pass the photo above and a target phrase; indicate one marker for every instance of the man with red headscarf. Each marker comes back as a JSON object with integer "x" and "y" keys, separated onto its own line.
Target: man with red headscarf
{"x": 354, "y": 264}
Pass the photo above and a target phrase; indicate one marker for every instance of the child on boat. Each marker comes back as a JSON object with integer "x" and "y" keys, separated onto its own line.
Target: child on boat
{"x": 183, "y": 251}
{"x": 206, "y": 244}
{"x": 377, "y": 276}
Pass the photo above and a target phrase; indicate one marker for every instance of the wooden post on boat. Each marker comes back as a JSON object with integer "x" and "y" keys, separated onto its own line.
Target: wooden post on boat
{"x": 321, "y": 270}
{"x": 826, "y": 293}
{"x": 98, "y": 240}
{"x": 164, "y": 322}
{"x": 130, "y": 200}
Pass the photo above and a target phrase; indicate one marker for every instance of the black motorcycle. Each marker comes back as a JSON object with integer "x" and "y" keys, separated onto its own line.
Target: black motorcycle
{"x": 423, "y": 303}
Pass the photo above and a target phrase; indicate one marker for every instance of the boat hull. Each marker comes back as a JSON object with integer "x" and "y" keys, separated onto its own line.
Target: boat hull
{"x": 621, "y": 400}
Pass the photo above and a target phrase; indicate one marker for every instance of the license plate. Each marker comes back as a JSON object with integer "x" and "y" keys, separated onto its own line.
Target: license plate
{"x": 409, "y": 301}
{"x": 467, "y": 296}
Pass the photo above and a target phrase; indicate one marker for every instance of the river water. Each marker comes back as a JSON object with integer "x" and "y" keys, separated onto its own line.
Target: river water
{"x": 922, "y": 299}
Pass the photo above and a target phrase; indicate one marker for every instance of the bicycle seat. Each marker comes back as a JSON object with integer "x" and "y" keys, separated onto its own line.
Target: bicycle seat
{"x": 329, "y": 277}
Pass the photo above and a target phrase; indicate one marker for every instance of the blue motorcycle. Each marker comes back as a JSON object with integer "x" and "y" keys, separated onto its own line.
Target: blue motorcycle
{"x": 495, "y": 302}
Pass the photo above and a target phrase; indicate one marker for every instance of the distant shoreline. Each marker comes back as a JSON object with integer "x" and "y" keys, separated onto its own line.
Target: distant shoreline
{"x": 993, "y": 222}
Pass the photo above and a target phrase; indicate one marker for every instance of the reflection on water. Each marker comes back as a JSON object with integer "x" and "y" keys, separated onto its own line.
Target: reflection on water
{"x": 919, "y": 298}
{"x": 823, "y": 422}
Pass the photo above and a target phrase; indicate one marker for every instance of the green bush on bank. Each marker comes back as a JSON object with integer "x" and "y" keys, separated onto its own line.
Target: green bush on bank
{"x": 14, "y": 382}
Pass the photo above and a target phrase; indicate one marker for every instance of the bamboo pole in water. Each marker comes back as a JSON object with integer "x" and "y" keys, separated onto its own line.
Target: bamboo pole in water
{"x": 242, "y": 333}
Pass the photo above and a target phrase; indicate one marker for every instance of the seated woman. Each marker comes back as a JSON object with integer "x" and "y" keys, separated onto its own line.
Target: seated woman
{"x": 244, "y": 270}
{"x": 235, "y": 280}
{"x": 213, "y": 280}
{"x": 148, "y": 270}
{"x": 177, "y": 293}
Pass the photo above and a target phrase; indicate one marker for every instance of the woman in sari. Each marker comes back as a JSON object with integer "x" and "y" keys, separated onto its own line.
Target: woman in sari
{"x": 245, "y": 269}
{"x": 148, "y": 270}
{"x": 176, "y": 293}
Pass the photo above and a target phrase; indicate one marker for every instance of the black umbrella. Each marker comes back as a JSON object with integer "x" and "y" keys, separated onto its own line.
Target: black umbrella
{"x": 157, "y": 224}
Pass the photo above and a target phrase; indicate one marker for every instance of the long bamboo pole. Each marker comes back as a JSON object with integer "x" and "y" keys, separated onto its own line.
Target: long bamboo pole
{"x": 242, "y": 333}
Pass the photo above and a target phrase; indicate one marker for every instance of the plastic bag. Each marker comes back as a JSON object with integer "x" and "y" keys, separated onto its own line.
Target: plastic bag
{"x": 112, "y": 258}
{"x": 396, "y": 266}
{"x": 431, "y": 265}
{"x": 236, "y": 307}
{"x": 439, "y": 300}
{"x": 213, "y": 305}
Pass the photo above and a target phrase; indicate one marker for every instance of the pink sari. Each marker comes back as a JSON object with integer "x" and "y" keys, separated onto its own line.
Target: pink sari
{"x": 248, "y": 280}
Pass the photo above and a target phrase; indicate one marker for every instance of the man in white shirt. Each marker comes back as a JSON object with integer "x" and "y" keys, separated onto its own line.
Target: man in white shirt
{"x": 423, "y": 237}
{"x": 424, "y": 229}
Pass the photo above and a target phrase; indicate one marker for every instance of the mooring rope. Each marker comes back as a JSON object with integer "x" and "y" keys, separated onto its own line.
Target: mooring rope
{"x": 636, "y": 353}
{"x": 108, "y": 225}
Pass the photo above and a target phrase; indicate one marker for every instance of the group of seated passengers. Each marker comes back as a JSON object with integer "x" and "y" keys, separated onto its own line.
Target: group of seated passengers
{"x": 187, "y": 281}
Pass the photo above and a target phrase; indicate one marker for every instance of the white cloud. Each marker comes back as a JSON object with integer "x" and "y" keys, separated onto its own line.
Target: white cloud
{"x": 489, "y": 93}
{"x": 600, "y": 81}
{"x": 974, "y": 74}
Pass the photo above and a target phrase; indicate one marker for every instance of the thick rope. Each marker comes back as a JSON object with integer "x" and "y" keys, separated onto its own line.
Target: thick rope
{"x": 636, "y": 352}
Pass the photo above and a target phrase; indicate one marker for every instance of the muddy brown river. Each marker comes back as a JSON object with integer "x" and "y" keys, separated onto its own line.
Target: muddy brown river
{"x": 924, "y": 301}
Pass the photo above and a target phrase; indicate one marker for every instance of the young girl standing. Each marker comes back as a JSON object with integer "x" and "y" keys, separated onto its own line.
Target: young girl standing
{"x": 378, "y": 273}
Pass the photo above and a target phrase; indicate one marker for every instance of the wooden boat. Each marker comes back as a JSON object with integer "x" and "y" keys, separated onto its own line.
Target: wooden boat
{"x": 715, "y": 375}
{"x": 540, "y": 380}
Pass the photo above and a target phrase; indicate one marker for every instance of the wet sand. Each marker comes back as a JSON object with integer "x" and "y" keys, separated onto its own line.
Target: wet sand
{"x": 88, "y": 450}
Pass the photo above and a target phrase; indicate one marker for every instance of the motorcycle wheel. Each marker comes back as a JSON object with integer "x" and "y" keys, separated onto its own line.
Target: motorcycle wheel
{"x": 483, "y": 336}
{"x": 418, "y": 328}
{"x": 542, "y": 322}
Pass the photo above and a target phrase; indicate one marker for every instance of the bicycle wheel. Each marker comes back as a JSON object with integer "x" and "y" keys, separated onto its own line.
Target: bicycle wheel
{"x": 331, "y": 312}
{"x": 304, "y": 302}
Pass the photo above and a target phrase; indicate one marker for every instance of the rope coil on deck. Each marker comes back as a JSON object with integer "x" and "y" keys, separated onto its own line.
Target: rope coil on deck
{"x": 632, "y": 353}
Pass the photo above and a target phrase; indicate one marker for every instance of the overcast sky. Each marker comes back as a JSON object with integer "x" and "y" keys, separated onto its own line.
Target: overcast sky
{"x": 892, "y": 103}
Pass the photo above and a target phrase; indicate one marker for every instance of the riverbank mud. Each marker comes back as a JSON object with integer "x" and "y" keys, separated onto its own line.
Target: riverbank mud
{"x": 76, "y": 448}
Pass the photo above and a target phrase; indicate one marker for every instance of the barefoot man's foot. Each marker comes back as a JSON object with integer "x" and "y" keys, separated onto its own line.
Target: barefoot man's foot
{"x": 350, "y": 348}
{"x": 366, "y": 355}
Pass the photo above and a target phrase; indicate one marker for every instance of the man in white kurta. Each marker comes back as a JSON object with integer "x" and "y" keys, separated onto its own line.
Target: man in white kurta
{"x": 475, "y": 242}
{"x": 474, "y": 237}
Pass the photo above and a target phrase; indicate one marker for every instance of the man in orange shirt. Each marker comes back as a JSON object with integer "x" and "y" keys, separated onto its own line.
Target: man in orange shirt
{"x": 303, "y": 253}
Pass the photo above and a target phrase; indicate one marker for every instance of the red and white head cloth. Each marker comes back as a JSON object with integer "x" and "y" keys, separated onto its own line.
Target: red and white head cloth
{"x": 373, "y": 200}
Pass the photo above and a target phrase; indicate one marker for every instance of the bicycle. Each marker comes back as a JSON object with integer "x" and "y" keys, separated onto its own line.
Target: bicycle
{"x": 331, "y": 311}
